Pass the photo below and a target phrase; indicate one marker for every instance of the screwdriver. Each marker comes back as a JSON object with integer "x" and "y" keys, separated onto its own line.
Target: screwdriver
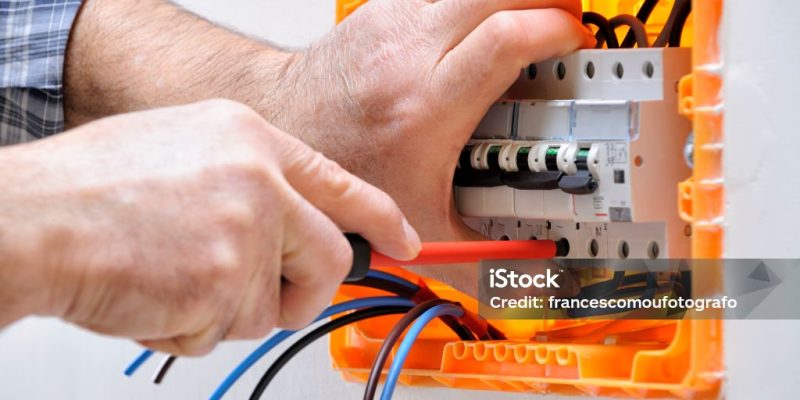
{"x": 434, "y": 253}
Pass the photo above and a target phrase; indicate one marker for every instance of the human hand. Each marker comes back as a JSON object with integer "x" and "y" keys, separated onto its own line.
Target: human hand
{"x": 396, "y": 90}
{"x": 184, "y": 226}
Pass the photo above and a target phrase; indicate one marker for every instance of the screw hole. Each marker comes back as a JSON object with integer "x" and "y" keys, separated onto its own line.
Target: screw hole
{"x": 532, "y": 71}
{"x": 653, "y": 250}
{"x": 590, "y": 70}
{"x": 623, "y": 250}
{"x": 561, "y": 71}
{"x": 577, "y": 226}
{"x": 649, "y": 70}
{"x": 619, "y": 70}
{"x": 594, "y": 248}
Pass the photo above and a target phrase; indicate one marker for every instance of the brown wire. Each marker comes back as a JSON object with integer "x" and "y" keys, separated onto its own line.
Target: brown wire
{"x": 636, "y": 26}
{"x": 675, "y": 14}
{"x": 642, "y": 15}
{"x": 391, "y": 340}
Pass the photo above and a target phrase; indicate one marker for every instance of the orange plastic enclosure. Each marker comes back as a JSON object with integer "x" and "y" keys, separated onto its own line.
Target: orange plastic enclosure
{"x": 584, "y": 357}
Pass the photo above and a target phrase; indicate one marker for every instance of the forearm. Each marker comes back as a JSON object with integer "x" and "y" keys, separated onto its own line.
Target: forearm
{"x": 133, "y": 55}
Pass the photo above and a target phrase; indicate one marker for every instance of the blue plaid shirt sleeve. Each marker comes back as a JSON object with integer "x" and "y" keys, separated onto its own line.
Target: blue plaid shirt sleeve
{"x": 33, "y": 42}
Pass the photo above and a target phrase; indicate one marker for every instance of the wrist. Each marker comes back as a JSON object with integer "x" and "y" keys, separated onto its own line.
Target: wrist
{"x": 277, "y": 71}
{"x": 25, "y": 288}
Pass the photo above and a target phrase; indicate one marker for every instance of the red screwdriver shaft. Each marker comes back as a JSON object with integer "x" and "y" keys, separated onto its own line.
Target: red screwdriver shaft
{"x": 471, "y": 252}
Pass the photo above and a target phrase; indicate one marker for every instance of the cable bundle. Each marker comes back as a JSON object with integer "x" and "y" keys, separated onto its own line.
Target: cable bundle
{"x": 417, "y": 316}
{"x": 637, "y": 33}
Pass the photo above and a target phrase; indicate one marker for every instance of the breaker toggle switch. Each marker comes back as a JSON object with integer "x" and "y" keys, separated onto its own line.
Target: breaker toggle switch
{"x": 469, "y": 176}
{"x": 547, "y": 180}
{"x": 574, "y": 161}
{"x": 580, "y": 183}
{"x": 477, "y": 178}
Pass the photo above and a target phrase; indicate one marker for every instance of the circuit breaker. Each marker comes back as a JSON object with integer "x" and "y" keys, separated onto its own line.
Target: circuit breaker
{"x": 586, "y": 147}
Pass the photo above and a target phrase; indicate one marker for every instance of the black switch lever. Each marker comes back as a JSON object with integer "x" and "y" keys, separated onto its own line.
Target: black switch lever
{"x": 580, "y": 183}
{"x": 547, "y": 180}
{"x": 468, "y": 177}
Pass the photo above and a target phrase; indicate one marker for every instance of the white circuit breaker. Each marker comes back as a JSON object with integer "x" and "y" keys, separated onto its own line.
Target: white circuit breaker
{"x": 588, "y": 147}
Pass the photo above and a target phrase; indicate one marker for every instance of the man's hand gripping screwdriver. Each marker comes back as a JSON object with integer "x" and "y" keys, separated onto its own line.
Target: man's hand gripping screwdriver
{"x": 435, "y": 253}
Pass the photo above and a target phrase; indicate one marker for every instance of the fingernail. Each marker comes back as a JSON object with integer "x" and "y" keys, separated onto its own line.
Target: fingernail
{"x": 412, "y": 237}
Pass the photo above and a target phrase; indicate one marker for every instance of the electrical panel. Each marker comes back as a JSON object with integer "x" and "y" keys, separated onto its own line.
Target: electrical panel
{"x": 588, "y": 147}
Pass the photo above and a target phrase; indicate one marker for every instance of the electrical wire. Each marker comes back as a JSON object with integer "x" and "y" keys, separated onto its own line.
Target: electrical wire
{"x": 401, "y": 287}
{"x": 279, "y": 337}
{"x": 375, "y": 279}
{"x": 676, "y": 283}
{"x": 138, "y": 361}
{"x": 605, "y": 34}
{"x": 679, "y": 8}
{"x": 680, "y": 22}
{"x": 163, "y": 368}
{"x": 636, "y": 27}
{"x": 317, "y": 333}
{"x": 392, "y": 338}
{"x": 642, "y": 15}
{"x": 400, "y": 356}
{"x": 384, "y": 285}
{"x": 411, "y": 286}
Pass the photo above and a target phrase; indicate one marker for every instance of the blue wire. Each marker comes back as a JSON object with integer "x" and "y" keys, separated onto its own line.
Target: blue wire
{"x": 393, "y": 278}
{"x": 408, "y": 341}
{"x": 146, "y": 354}
{"x": 279, "y": 337}
{"x": 137, "y": 362}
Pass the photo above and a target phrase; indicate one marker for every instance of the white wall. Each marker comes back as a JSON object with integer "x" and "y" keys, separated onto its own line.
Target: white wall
{"x": 762, "y": 183}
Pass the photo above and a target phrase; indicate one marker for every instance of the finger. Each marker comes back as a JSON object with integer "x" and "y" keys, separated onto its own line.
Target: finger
{"x": 460, "y": 17}
{"x": 354, "y": 205}
{"x": 316, "y": 259}
{"x": 493, "y": 54}
{"x": 193, "y": 345}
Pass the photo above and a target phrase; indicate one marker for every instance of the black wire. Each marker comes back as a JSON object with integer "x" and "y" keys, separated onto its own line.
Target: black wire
{"x": 317, "y": 333}
{"x": 680, "y": 22}
{"x": 636, "y": 26}
{"x": 646, "y": 292}
{"x": 371, "y": 282}
{"x": 604, "y": 31}
{"x": 166, "y": 364}
{"x": 603, "y": 288}
{"x": 400, "y": 290}
{"x": 381, "y": 284}
{"x": 642, "y": 15}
